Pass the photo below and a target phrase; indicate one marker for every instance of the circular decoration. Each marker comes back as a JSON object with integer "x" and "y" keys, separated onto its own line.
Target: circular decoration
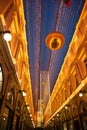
{"x": 55, "y": 40}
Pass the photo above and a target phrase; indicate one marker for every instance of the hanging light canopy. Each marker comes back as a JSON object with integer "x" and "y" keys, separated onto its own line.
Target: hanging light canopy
{"x": 55, "y": 40}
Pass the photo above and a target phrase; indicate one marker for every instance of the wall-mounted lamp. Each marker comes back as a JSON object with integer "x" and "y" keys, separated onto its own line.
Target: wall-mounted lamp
{"x": 81, "y": 93}
{"x": 30, "y": 115}
{"x": 66, "y": 107}
{"x": 58, "y": 114}
{"x": 52, "y": 119}
{"x": 6, "y": 35}
{"x": 31, "y": 119}
{"x": 23, "y": 92}
{"x": 27, "y": 107}
{"x": 4, "y": 118}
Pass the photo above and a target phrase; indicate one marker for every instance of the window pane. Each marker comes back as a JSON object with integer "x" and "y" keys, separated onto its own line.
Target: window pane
{"x": 0, "y": 68}
{"x": 0, "y": 75}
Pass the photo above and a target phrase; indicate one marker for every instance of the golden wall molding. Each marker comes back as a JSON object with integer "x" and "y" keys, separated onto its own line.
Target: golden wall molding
{"x": 13, "y": 20}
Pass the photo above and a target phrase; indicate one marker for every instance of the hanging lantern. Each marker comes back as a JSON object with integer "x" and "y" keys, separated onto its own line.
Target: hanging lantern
{"x": 55, "y": 40}
{"x": 67, "y": 2}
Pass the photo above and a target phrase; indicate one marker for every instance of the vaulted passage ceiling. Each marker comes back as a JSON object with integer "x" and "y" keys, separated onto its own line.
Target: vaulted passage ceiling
{"x": 43, "y": 17}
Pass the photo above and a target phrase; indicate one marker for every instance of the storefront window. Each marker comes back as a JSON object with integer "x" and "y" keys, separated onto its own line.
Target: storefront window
{"x": 4, "y": 122}
{"x": 70, "y": 125}
{"x": 83, "y": 107}
{"x": 10, "y": 96}
{"x": 85, "y": 122}
{"x": 18, "y": 105}
{"x": 1, "y": 78}
{"x": 16, "y": 123}
{"x": 65, "y": 126}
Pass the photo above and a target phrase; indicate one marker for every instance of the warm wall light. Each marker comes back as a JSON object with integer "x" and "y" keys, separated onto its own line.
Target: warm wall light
{"x": 6, "y": 35}
{"x": 80, "y": 94}
{"x": 30, "y": 115}
{"x": 28, "y": 107}
{"x": 53, "y": 119}
{"x": 4, "y": 118}
{"x": 31, "y": 119}
{"x": 58, "y": 114}
{"x": 66, "y": 107}
{"x": 23, "y": 92}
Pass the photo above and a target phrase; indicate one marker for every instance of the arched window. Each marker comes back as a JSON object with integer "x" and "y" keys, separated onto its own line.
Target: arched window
{"x": 1, "y": 78}
{"x": 10, "y": 96}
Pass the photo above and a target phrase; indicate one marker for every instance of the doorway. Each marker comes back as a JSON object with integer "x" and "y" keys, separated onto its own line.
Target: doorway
{"x": 76, "y": 125}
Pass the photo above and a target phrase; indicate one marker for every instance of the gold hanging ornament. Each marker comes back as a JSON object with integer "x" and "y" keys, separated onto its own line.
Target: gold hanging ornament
{"x": 55, "y": 40}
